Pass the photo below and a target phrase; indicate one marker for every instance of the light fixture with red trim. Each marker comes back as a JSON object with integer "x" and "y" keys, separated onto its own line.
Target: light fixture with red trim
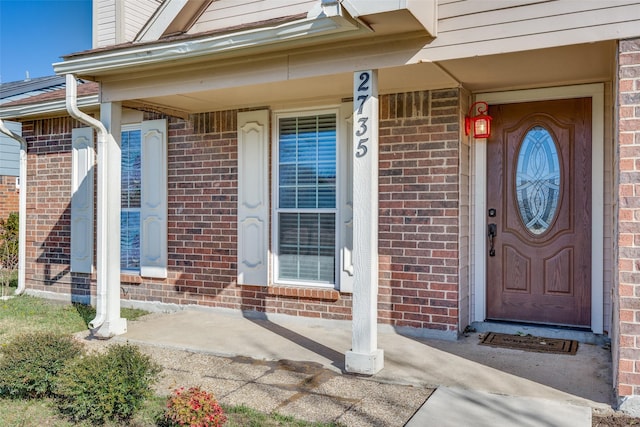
{"x": 478, "y": 121}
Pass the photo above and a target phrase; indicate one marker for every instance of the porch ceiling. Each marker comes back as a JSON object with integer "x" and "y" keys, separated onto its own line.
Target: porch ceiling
{"x": 594, "y": 62}
{"x": 584, "y": 63}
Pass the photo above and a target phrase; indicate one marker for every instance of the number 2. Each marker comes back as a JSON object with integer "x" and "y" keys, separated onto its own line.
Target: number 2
{"x": 365, "y": 79}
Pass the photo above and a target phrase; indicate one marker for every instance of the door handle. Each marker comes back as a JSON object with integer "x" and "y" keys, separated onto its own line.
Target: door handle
{"x": 493, "y": 232}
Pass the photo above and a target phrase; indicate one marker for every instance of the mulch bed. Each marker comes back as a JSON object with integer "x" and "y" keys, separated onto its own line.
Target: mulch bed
{"x": 614, "y": 420}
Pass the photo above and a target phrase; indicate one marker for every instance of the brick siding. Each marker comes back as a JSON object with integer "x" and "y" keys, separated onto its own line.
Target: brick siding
{"x": 418, "y": 218}
{"x": 202, "y": 211}
{"x": 48, "y": 208}
{"x": 628, "y": 368}
{"x": 9, "y": 196}
{"x": 418, "y": 240}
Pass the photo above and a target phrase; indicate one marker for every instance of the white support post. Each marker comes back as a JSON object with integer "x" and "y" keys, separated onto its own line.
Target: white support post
{"x": 365, "y": 357}
{"x": 108, "y": 220}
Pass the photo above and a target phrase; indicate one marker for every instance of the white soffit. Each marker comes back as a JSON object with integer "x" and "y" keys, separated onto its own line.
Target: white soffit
{"x": 583, "y": 63}
{"x": 388, "y": 15}
{"x": 306, "y": 91}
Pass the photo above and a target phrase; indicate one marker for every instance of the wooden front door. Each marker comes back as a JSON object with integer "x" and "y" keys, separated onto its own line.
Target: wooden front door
{"x": 539, "y": 202}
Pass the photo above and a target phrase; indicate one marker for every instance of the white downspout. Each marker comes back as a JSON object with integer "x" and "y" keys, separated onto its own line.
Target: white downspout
{"x": 102, "y": 135}
{"x": 22, "y": 207}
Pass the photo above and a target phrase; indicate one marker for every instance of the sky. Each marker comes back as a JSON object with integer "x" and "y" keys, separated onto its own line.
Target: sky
{"x": 36, "y": 33}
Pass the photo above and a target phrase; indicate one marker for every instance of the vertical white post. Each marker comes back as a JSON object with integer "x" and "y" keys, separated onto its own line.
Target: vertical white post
{"x": 108, "y": 220}
{"x": 365, "y": 357}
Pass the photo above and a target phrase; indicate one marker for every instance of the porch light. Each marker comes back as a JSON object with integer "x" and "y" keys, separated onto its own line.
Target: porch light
{"x": 478, "y": 120}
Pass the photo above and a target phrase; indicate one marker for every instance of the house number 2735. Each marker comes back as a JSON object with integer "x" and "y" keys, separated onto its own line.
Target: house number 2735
{"x": 362, "y": 116}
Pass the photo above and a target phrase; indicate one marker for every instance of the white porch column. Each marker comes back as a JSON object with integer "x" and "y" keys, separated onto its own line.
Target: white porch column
{"x": 108, "y": 222}
{"x": 365, "y": 357}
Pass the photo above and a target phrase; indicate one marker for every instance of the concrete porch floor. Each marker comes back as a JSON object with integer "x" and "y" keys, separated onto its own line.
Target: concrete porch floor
{"x": 582, "y": 380}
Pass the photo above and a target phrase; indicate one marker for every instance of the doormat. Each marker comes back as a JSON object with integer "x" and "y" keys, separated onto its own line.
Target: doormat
{"x": 530, "y": 343}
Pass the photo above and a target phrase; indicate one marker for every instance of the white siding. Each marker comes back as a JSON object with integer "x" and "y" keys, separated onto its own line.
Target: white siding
{"x": 229, "y": 13}
{"x": 104, "y": 23}
{"x": 118, "y": 21}
{"x": 10, "y": 151}
{"x": 478, "y": 27}
{"x": 137, "y": 13}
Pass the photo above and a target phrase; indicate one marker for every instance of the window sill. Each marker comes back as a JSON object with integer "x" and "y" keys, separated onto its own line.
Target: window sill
{"x": 133, "y": 279}
{"x": 299, "y": 292}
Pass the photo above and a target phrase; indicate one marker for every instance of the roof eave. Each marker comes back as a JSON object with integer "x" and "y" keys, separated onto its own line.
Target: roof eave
{"x": 47, "y": 108}
{"x": 110, "y": 61}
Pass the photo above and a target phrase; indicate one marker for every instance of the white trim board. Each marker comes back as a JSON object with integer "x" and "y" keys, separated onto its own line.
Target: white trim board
{"x": 479, "y": 223}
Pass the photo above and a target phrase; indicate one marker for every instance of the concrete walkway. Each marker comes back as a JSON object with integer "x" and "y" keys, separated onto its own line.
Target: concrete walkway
{"x": 298, "y": 369}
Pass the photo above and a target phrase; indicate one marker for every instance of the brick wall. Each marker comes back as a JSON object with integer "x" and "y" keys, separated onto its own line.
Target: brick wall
{"x": 9, "y": 196}
{"x": 202, "y": 209}
{"x": 419, "y": 165}
{"x": 628, "y": 367}
{"x": 48, "y": 208}
{"x": 419, "y": 156}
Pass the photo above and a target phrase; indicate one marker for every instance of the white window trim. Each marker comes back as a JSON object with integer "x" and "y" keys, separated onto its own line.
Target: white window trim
{"x": 340, "y": 183}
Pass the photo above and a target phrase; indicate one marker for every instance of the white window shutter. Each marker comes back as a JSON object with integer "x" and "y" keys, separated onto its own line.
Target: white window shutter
{"x": 83, "y": 159}
{"x": 253, "y": 197}
{"x": 345, "y": 156}
{"x": 153, "y": 205}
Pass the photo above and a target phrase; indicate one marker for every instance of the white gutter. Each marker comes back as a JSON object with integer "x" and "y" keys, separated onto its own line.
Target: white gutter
{"x": 328, "y": 20}
{"x": 22, "y": 207}
{"x": 48, "y": 107}
{"x": 102, "y": 135}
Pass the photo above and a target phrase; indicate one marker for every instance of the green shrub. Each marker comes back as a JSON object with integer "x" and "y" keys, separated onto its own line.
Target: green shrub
{"x": 30, "y": 363}
{"x": 106, "y": 387}
{"x": 195, "y": 408}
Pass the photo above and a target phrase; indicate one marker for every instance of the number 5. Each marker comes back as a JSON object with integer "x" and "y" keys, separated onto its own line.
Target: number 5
{"x": 362, "y": 149}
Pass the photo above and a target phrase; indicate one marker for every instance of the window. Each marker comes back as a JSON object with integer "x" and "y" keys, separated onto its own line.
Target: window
{"x": 143, "y": 199}
{"x": 306, "y": 198}
{"x": 131, "y": 185}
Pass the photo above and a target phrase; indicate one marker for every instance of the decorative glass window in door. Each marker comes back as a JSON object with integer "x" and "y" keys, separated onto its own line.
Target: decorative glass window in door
{"x": 538, "y": 180}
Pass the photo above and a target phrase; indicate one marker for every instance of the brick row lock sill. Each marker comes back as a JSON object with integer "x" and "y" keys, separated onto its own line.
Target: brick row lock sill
{"x": 275, "y": 290}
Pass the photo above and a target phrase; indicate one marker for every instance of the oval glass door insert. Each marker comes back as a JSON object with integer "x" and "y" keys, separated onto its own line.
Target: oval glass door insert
{"x": 538, "y": 180}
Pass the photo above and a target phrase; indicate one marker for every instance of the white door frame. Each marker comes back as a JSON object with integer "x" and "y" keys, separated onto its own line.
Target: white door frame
{"x": 479, "y": 196}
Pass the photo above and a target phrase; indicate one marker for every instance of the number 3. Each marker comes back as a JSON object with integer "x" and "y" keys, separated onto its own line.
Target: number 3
{"x": 363, "y": 126}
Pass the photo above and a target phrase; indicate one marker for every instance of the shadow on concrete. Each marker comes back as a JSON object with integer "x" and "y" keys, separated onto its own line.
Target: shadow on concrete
{"x": 261, "y": 319}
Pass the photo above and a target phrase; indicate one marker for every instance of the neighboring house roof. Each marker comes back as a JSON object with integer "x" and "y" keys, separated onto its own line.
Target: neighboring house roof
{"x": 13, "y": 91}
{"x": 84, "y": 89}
{"x": 40, "y": 99}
